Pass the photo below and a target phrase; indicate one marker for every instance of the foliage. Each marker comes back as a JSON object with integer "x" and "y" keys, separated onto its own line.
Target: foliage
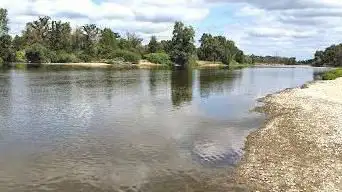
{"x": 1, "y": 61}
{"x": 91, "y": 35}
{"x": 132, "y": 42}
{"x": 331, "y": 56}
{"x": 239, "y": 57}
{"x": 63, "y": 57}
{"x": 331, "y": 75}
{"x": 306, "y": 62}
{"x": 59, "y": 35}
{"x": 127, "y": 56}
{"x": 154, "y": 46}
{"x": 3, "y": 22}
{"x": 218, "y": 48}
{"x": 182, "y": 44}
{"x": 37, "y": 53}
{"x": 248, "y": 60}
{"x": 18, "y": 43}
{"x": 20, "y": 56}
{"x": 37, "y": 31}
{"x": 108, "y": 42}
{"x": 274, "y": 60}
{"x": 6, "y": 51}
{"x": 192, "y": 63}
{"x": 47, "y": 40}
{"x": 159, "y": 58}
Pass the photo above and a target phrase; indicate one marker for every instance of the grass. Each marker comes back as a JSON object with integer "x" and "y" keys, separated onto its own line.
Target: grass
{"x": 332, "y": 75}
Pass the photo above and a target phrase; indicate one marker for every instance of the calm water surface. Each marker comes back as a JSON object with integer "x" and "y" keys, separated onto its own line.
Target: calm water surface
{"x": 140, "y": 130}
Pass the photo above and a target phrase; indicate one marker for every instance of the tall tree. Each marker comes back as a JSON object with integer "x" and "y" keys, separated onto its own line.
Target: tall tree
{"x": 153, "y": 46}
{"x": 60, "y": 36}
{"x": 182, "y": 44}
{"x": 108, "y": 42}
{"x": 91, "y": 34}
{"x": 6, "y": 52}
{"x": 37, "y": 31}
{"x": 77, "y": 40}
{"x": 3, "y": 22}
{"x": 18, "y": 43}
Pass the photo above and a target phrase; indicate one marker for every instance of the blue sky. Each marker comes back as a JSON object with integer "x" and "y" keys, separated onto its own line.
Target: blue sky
{"x": 285, "y": 28}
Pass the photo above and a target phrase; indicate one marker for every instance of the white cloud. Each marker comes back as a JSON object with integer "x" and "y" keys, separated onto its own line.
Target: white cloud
{"x": 288, "y": 27}
{"x": 145, "y": 16}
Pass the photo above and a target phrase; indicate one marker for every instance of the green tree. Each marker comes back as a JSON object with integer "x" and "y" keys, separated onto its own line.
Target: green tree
{"x": 18, "y": 43}
{"x": 108, "y": 42}
{"x": 239, "y": 57}
{"x": 3, "y": 22}
{"x": 153, "y": 46}
{"x": 77, "y": 40}
{"x": 59, "y": 36}
{"x": 91, "y": 36}
{"x": 37, "y": 31}
{"x": 6, "y": 51}
{"x": 182, "y": 44}
{"x": 37, "y": 53}
{"x": 165, "y": 45}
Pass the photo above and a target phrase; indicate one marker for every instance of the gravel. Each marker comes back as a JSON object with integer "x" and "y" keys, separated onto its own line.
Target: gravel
{"x": 300, "y": 146}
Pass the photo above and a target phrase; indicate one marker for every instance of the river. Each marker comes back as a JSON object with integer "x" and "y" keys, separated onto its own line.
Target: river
{"x": 138, "y": 130}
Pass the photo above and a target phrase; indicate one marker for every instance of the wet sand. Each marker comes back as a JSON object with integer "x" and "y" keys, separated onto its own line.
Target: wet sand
{"x": 300, "y": 146}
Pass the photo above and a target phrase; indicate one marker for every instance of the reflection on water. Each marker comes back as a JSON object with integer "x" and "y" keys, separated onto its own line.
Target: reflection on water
{"x": 139, "y": 130}
{"x": 181, "y": 87}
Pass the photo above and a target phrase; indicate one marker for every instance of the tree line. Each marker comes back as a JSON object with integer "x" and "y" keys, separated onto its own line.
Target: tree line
{"x": 273, "y": 60}
{"x": 53, "y": 41}
{"x": 331, "y": 56}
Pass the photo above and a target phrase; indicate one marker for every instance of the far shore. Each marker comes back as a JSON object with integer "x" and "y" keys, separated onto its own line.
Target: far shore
{"x": 143, "y": 64}
{"x": 300, "y": 146}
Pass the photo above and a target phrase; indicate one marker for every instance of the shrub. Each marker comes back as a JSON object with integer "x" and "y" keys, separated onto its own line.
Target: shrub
{"x": 20, "y": 56}
{"x": 1, "y": 61}
{"x": 67, "y": 58}
{"x": 127, "y": 56}
{"x": 37, "y": 53}
{"x": 192, "y": 62}
{"x": 331, "y": 75}
{"x": 159, "y": 58}
{"x": 84, "y": 57}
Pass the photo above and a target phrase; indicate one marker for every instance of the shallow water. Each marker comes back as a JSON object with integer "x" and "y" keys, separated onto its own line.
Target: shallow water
{"x": 139, "y": 130}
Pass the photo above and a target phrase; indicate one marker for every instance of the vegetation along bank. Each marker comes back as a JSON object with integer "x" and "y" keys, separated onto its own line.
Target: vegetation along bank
{"x": 53, "y": 41}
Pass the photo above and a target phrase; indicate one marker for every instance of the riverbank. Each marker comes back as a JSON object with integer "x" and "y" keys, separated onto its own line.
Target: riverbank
{"x": 119, "y": 65}
{"x": 220, "y": 65}
{"x": 143, "y": 64}
{"x": 300, "y": 146}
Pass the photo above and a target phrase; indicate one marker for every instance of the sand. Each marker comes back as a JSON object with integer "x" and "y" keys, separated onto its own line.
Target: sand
{"x": 300, "y": 146}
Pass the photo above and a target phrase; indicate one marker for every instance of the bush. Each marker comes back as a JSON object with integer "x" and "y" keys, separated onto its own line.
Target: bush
{"x": 84, "y": 57}
{"x": 192, "y": 62}
{"x": 63, "y": 57}
{"x": 127, "y": 56}
{"x": 37, "y": 53}
{"x": 20, "y": 56}
{"x": 159, "y": 58}
{"x": 331, "y": 75}
{"x": 1, "y": 61}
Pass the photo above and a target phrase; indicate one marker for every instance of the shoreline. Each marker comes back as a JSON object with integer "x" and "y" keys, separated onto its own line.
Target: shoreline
{"x": 143, "y": 64}
{"x": 299, "y": 148}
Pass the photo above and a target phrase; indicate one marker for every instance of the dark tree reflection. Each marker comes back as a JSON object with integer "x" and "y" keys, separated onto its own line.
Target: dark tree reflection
{"x": 181, "y": 86}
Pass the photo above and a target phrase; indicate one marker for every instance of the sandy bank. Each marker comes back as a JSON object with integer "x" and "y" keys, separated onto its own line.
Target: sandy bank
{"x": 209, "y": 64}
{"x": 300, "y": 146}
{"x": 84, "y": 64}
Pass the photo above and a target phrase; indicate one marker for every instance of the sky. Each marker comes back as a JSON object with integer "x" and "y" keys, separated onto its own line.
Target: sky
{"x": 262, "y": 27}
